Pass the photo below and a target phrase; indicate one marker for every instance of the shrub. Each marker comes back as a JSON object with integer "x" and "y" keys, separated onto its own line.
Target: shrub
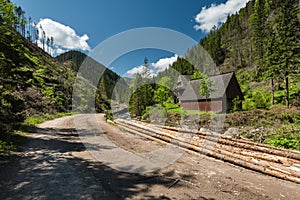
{"x": 286, "y": 136}
{"x": 284, "y": 143}
{"x": 236, "y": 104}
{"x": 108, "y": 115}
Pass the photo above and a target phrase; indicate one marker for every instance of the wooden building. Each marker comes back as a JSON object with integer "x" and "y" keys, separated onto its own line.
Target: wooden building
{"x": 225, "y": 88}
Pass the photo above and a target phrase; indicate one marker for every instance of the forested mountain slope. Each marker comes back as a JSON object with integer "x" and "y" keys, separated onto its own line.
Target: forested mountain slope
{"x": 31, "y": 81}
{"x": 262, "y": 43}
{"x": 108, "y": 80}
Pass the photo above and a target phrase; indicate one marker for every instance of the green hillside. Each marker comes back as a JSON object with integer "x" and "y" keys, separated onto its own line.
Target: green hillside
{"x": 261, "y": 43}
{"x": 72, "y": 59}
{"x": 34, "y": 83}
{"x": 31, "y": 81}
{"x": 108, "y": 80}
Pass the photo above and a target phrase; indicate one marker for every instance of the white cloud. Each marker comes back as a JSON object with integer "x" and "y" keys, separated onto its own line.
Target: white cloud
{"x": 59, "y": 51}
{"x": 140, "y": 70}
{"x": 65, "y": 38}
{"x": 164, "y": 63}
{"x": 153, "y": 68}
{"x": 217, "y": 14}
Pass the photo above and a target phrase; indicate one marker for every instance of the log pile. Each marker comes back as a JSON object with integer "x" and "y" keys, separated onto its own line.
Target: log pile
{"x": 274, "y": 161}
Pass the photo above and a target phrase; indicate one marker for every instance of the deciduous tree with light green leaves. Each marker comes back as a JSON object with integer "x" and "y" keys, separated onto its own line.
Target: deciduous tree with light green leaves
{"x": 198, "y": 75}
{"x": 7, "y": 13}
{"x": 205, "y": 85}
{"x": 162, "y": 94}
{"x": 205, "y": 88}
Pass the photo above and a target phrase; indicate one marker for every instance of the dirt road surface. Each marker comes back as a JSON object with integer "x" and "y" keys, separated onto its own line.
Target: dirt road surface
{"x": 54, "y": 164}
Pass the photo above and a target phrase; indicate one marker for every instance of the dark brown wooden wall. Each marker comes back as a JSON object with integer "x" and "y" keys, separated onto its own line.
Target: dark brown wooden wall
{"x": 214, "y": 106}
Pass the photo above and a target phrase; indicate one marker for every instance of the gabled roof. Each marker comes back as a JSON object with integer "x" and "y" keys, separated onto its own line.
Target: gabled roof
{"x": 220, "y": 83}
{"x": 183, "y": 80}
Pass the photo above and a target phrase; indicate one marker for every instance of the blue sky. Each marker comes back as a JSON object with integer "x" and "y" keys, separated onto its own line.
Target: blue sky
{"x": 83, "y": 25}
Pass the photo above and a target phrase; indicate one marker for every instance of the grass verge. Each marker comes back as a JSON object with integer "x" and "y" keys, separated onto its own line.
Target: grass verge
{"x": 11, "y": 141}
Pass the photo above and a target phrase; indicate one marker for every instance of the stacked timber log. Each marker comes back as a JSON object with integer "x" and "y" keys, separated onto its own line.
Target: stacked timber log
{"x": 274, "y": 161}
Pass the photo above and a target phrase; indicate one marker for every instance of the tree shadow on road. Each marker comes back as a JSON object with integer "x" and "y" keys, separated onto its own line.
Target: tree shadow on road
{"x": 46, "y": 169}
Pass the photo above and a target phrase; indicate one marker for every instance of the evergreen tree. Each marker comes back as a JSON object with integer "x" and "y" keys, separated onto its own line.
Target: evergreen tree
{"x": 19, "y": 12}
{"x": 135, "y": 104}
{"x": 288, "y": 40}
{"x": 257, "y": 22}
{"x": 23, "y": 22}
{"x": 182, "y": 66}
{"x": 52, "y": 44}
{"x": 37, "y": 33}
{"x": 48, "y": 45}
{"x": 269, "y": 68}
{"x": 29, "y": 33}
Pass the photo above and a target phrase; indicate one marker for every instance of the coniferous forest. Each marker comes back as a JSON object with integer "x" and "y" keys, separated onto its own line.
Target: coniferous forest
{"x": 261, "y": 43}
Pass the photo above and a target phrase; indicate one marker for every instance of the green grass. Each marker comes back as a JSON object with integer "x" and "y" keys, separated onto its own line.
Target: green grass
{"x": 197, "y": 112}
{"x": 175, "y": 108}
{"x": 10, "y": 141}
{"x": 38, "y": 119}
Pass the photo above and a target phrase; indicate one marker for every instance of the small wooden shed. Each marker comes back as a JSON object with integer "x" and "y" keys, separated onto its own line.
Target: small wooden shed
{"x": 225, "y": 88}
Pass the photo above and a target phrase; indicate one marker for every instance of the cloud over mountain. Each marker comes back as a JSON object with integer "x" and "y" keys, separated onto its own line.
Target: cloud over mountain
{"x": 154, "y": 68}
{"x": 65, "y": 37}
{"x": 217, "y": 14}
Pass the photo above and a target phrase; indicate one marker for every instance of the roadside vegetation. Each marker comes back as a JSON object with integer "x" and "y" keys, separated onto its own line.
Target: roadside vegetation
{"x": 16, "y": 138}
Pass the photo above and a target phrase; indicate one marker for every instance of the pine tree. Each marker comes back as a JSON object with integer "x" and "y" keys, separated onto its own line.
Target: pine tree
{"x": 135, "y": 104}
{"x": 48, "y": 45}
{"x": 269, "y": 68}
{"x": 287, "y": 41}
{"x": 23, "y": 22}
{"x": 29, "y": 29}
{"x": 257, "y": 22}
{"x": 52, "y": 44}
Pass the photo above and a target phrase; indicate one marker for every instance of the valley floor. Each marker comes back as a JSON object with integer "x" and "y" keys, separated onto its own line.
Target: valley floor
{"x": 54, "y": 164}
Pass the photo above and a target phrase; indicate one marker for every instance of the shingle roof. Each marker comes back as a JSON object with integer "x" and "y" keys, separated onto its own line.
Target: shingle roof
{"x": 183, "y": 80}
{"x": 219, "y": 85}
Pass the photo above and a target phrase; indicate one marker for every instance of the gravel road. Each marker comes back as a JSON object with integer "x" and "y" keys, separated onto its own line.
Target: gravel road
{"x": 55, "y": 164}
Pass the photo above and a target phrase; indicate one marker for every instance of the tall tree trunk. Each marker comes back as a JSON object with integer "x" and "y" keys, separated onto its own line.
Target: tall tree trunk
{"x": 273, "y": 90}
{"x": 287, "y": 100}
